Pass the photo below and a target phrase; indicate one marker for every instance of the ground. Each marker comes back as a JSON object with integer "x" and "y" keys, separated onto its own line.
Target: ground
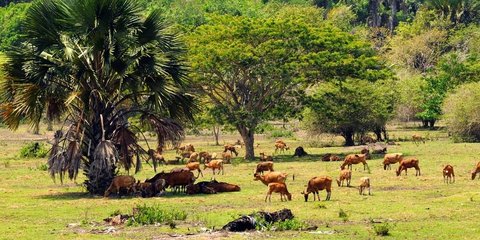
{"x": 424, "y": 207}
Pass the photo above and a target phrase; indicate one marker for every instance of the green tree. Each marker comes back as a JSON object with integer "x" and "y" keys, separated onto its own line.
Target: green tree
{"x": 355, "y": 106}
{"x": 97, "y": 63}
{"x": 10, "y": 27}
{"x": 450, "y": 72}
{"x": 247, "y": 66}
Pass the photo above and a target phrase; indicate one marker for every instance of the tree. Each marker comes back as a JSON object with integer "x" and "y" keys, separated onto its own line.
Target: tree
{"x": 462, "y": 111}
{"x": 450, "y": 72}
{"x": 97, "y": 63}
{"x": 10, "y": 27}
{"x": 354, "y": 106}
{"x": 457, "y": 11}
{"x": 247, "y": 66}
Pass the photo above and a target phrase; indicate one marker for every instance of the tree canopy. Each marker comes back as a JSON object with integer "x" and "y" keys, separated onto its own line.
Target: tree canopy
{"x": 96, "y": 63}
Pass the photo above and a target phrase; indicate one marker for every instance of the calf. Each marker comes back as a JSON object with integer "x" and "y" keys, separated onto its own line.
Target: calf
{"x": 195, "y": 166}
{"x": 204, "y": 157}
{"x": 409, "y": 163}
{"x": 215, "y": 164}
{"x": 264, "y": 166}
{"x": 364, "y": 183}
{"x": 278, "y": 188}
{"x": 193, "y": 157}
{"x": 448, "y": 174}
{"x": 475, "y": 171}
{"x": 345, "y": 175}
{"x": 121, "y": 182}
{"x": 281, "y": 146}
{"x": 317, "y": 184}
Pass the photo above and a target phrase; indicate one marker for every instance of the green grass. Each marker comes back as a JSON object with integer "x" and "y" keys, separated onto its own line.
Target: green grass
{"x": 34, "y": 207}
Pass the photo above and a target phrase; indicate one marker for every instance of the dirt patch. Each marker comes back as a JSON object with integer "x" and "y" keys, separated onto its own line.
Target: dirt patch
{"x": 399, "y": 188}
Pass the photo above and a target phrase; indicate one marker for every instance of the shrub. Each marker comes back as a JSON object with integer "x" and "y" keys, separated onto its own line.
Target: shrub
{"x": 382, "y": 229}
{"x": 144, "y": 215}
{"x": 289, "y": 224}
{"x": 280, "y": 133}
{"x": 34, "y": 150}
{"x": 462, "y": 113}
{"x": 42, "y": 167}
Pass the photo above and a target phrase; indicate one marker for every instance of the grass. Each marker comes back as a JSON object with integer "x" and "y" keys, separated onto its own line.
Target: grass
{"x": 424, "y": 207}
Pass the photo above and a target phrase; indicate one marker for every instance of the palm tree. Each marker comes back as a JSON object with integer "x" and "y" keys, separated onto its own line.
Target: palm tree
{"x": 97, "y": 64}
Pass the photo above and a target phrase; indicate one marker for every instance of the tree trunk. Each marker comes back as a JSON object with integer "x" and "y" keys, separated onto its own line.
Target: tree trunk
{"x": 49, "y": 125}
{"x": 216, "y": 133}
{"x": 425, "y": 123}
{"x": 432, "y": 123}
{"x": 373, "y": 18}
{"x": 248, "y": 138}
{"x": 392, "y": 23}
{"x": 378, "y": 133}
{"x": 348, "y": 135}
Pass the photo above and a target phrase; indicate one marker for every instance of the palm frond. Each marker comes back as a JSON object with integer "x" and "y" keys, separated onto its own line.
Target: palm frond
{"x": 167, "y": 130}
{"x": 127, "y": 144}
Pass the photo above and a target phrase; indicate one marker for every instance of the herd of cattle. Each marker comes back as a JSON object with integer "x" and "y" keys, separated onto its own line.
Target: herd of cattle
{"x": 183, "y": 179}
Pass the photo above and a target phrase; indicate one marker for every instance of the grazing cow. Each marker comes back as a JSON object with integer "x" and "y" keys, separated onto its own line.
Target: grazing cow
{"x": 391, "y": 158}
{"x": 193, "y": 157}
{"x": 174, "y": 180}
{"x": 408, "y": 163}
{"x": 231, "y": 148}
{"x": 204, "y": 157}
{"x": 121, "y": 182}
{"x": 278, "y": 187}
{"x": 317, "y": 184}
{"x": 417, "y": 138}
{"x": 448, "y": 174}
{"x": 364, "y": 183}
{"x": 354, "y": 159}
{"x": 281, "y": 146}
{"x": 156, "y": 158}
{"x": 345, "y": 175}
{"x": 475, "y": 171}
{"x": 264, "y": 166}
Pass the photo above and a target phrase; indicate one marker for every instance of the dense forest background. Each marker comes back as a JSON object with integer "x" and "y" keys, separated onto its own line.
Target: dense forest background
{"x": 409, "y": 59}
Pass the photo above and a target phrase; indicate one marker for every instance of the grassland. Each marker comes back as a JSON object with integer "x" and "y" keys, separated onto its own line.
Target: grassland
{"x": 424, "y": 207}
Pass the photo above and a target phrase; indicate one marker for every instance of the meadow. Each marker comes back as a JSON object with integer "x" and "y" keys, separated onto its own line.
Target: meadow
{"x": 34, "y": 207}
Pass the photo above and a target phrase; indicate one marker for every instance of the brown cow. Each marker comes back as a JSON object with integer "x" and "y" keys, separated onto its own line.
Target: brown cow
{"x": 121, "y": 182}
{"x": 408, "y": 163}
{"x": 316, "y": 184}
{"x": 354, "y": 159}
{"x": 475, "y": 171}
{"x": 231, "y": 148}
{"x": 448, "y": 174}
{"x": 264, "y": 166}
{"x": 278, "y": 187}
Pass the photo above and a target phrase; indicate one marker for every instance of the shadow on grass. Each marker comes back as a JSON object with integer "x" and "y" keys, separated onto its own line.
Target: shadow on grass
{"x": 312, "y": 158}
{"x": 69, "y": 196}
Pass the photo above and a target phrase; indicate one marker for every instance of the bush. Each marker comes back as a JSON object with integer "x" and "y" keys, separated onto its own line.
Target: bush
{"x": 34, "y": 150}
{"x": 144, "y": 215}
{"x": 289, "y": 224}
{"x": 462, "y": 113}
{"x": 280, "y": 133}
{"x": 382, "y": 229}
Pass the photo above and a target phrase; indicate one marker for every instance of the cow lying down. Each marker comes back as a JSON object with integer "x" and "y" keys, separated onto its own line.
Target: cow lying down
{"x": 211, "y": 187}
